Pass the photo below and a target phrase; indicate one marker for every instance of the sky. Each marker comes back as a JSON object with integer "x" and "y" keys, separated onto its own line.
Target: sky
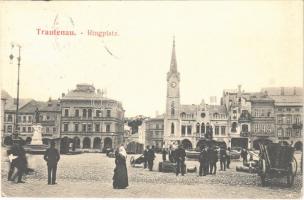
{"x": 219, "y": 45}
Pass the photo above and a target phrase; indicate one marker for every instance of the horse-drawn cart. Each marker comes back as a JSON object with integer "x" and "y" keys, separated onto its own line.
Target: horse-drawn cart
{"x": 277, "y": 160}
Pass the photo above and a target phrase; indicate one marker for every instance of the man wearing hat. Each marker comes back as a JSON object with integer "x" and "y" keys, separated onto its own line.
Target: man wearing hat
{"x": 180, "y": 160}
{"x": 52, "y": 157}
{"x": 203, "y": 159}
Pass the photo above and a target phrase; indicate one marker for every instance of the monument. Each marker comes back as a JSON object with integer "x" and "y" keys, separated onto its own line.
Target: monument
{"x": 36, "y": 145}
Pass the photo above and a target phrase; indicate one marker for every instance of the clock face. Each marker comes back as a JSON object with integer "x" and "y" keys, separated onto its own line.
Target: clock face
{"x": 173, "y": 84}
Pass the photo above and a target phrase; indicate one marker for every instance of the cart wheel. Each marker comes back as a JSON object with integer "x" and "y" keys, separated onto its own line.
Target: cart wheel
{"x": 132, "y": 161}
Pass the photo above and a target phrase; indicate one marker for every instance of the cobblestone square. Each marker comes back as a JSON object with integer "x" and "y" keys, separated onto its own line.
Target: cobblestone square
{"x": 90, "y": 175}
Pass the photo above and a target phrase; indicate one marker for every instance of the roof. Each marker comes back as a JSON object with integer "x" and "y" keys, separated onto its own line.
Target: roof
{"x": 288, "y": 100}
{"x": 189, "y": 108}
{"x": 217, "y": 109}
{"x": 85, "y": 92}
{"x": 12, "y": 104}
{"x": 282, "y": 91}
{"x": 30, "y": 106}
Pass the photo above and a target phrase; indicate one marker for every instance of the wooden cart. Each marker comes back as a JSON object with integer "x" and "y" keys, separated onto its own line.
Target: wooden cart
{"x": 277, "y": 160}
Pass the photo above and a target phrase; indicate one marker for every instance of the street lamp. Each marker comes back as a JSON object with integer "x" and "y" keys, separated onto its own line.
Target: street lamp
{"x": 15, "y": 133}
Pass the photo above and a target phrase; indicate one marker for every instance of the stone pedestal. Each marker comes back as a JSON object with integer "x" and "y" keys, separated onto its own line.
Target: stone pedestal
{"x": 37, "y": 136}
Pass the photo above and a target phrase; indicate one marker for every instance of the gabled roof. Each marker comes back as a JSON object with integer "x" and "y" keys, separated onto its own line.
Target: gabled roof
{"x": 288, "y": 100}
{"x": 217, "y": 109}
{"x": 189, "y": 108}
{"x": 12, "y": 104}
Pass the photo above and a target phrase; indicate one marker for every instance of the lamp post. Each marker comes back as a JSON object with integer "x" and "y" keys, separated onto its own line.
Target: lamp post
{"x": 15, "y": 133}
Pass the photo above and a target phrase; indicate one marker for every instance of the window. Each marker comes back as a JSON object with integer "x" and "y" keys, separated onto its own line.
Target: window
{"x": 30, "y": 118}
{"x": 54, "y": 129}
{"x": 280, "y": 119}
{"x": 172, "y": 109}
{"x": 97, "y": 127}
{"x": 9, "y": 129}
{"x": 233, "y": 128}
{"x": 288, "y": 132}
{"x": 24, "y": 119}
{"x": 297, "y": 109}
{"x": 244, "y": 128}
{"x": 19, "y": 118}
{"x": 65, "y": 127}
{"x": 84, "y": 127}
{"x": 84, "y": 113}
{"x": 203, "y": 128}
{"x": 89, "y": 127}
{"x": 76, "y": 127}
{"x": 157, "y": 126}
{"x": 47, "y": 130}
{"x": 183, "y": 130}
{"x": 76, "y": 113}
{"x": 223, "y": 130}
{"x": 66, "y": 112}
{"x": 89, "y": 113}
{"x": 280, "y": 109}
{"x": 10, "y": 118}
{"x": 216, "y": 130}
{"x": 203, "y": 115}
{"x": 189, "y": 130}
{"x": 29, "y": 129}
{"x": 108, "y": 128}
{"x": 280, "y": 132}
{"x": 172, "y": 128}
{"x": 108, "y": 113}
{"x": 288, "y": 119}
{"x": 24, "y": 129}
{"x": 197, "y": 128}
{"x": 288, "y": 109}
{"x": 98, "y": 113}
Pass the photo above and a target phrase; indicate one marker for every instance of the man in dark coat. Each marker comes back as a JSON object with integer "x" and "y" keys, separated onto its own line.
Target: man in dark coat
{"x": 150, "y": 158}
{"x": 21, "y": 163}
{"x": 146, "y": 156}
{"x": 13, "y": 163}
{"x": 164, "y": 154}
{"x": 203, "y": 159}
{"x": 209, "y": 158}
{"x": 228, "y": 152}
{"x": 213, "y": 160}
{"x": 223, "y": 158}
{"x": 180, "y": 160}
{"x": 52, "y": 157}
{"x": 244, "y": 156}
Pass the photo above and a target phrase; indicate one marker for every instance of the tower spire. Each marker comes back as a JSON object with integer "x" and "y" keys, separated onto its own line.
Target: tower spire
{"x": 173, "y": 65}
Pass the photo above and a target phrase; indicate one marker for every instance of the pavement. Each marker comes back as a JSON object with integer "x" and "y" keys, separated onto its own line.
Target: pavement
{"x": 90, "y": 175}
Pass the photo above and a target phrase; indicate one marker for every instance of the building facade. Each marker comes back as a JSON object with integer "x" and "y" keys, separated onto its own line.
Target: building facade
{"x": 49, "y": 119}
{"x": 154, "y": 132}
{"x": 89, "y": 120}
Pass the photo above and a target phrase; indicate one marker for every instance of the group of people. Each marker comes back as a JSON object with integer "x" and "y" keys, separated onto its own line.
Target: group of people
{"x": 18, "y": 160}
{"x": 209, "y": 157}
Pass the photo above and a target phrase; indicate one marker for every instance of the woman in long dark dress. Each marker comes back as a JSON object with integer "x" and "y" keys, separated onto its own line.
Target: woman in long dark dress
{"x": 120, "y": 178}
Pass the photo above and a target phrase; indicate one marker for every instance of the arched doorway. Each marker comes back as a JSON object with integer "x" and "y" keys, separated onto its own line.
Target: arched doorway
{"x": 28, "y": 140}
{"x": 76, "y": 142}
{"x": 97, "y": 143}
{"x": 298, "y": 146}
{"x": 258, "y": 141}
{"x": 64, "y": 145}
{"x": 8, "y": 140}
{"x": 107, "y": 143}
{"x": 86, "y": 144}
{"x": 187, "y": 144}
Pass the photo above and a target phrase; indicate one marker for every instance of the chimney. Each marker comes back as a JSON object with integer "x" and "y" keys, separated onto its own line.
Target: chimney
{"x": 239, "y": 90}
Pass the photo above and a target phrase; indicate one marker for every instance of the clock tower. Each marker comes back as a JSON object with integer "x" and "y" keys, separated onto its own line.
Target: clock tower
{"x": 172, "y": 116}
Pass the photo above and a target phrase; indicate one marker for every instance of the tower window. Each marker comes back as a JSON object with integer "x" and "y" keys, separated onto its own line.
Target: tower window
{"x": 172, "y": 128}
